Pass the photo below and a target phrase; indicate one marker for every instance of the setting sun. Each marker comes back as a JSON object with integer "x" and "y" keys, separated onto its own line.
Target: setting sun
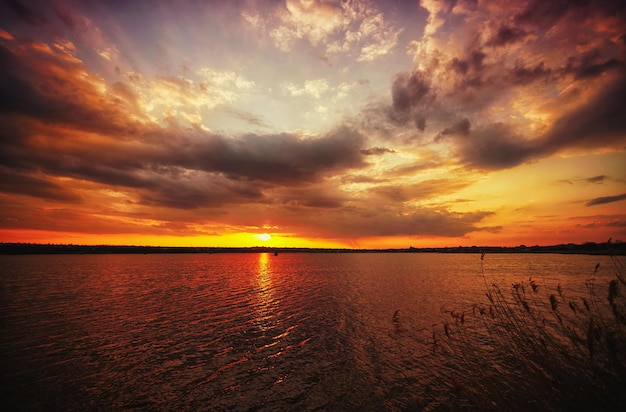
{"x": 263, "y": 236}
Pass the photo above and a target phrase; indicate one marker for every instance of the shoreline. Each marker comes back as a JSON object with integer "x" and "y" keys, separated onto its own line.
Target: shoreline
{"x": 589, "y": 248}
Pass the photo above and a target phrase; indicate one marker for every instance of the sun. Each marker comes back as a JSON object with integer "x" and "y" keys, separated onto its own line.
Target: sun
{"x": 263, "y": 236}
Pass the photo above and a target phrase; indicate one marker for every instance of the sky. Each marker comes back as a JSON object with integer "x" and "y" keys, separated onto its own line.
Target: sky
{"x": 309, "y": 123}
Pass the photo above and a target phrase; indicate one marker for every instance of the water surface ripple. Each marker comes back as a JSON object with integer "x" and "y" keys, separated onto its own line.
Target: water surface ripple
{"x": 243, "y": 332}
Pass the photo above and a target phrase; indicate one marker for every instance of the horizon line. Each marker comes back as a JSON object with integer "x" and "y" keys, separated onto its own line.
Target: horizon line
{"x": 586, "y": 247}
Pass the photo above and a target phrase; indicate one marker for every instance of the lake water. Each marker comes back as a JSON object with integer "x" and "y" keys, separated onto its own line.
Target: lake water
{"x": 245, "y": 332}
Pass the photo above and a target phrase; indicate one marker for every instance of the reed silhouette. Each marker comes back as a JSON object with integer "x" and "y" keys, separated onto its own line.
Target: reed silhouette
{"x": 528, "y": 348}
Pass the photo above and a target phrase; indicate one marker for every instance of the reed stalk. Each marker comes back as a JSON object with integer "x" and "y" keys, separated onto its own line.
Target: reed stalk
{"x": 529, "y": 349}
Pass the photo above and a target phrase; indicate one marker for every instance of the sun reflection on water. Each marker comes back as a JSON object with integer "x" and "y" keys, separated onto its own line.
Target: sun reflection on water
{"x": 266, "y": 306}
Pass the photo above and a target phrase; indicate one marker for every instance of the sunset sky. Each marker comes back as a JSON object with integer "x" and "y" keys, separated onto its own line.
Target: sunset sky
{"x": 307, "y": 123}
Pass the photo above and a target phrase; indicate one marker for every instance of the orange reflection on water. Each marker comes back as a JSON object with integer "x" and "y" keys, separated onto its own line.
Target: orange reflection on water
{"x": 266, "y": 305}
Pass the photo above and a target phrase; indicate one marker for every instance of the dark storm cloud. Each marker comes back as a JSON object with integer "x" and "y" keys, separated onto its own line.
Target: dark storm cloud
{"x": 472, "y": 62}
{"x": 28, "y": 215}
{"x": 13, "y": 182}
{"x": 418, "y": 222}
{"x": 473, "y": 81}
{"x": 283, "y": 158}
{"x": 355, "y": 217}
{"x": 495, "y": 146}
{"x": 46, "y": 84}
{"x": 595, "y": 70}
{"x": 199, "y": 191}
{"x": 408, "y": 90}
{"x": 596, "y": 179}
{"x": 419, "y": 191}
{"x": 314, "y": 196}
{"x": 494, "y": 150}
{"x": 605, "y": 199}
{"x": 507, "y": 35}
{"x": 205, "y": 170}
{"x": 458, "y": 65}
{"x": 411, "y": 95}
{"x": 600, "y": 221}
{"x": 598, "y": 123}
{"x": 473, "y": 76}
{"x": 521, "y": 75}
{"x": 591, "y": 64}
{"x": 460, "y": 128}
{"x": 541, "y": 11}
{"x": 67, "y": 16}
{"x": 27, "y": 14}
{"x": 420, "y": 122}
{"x": 197, "y": 176}
{"x": 617, "y": 223}
{"x": 377, "y": 151}
{"x": 476, "y": 59}
{"x": 545, "y": 13}
{"x": 228, "y": 172}
{"x": 590, "y": 180}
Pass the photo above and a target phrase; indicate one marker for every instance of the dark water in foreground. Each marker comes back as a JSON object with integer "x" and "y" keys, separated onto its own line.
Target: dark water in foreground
{"x": 242, "y": 332}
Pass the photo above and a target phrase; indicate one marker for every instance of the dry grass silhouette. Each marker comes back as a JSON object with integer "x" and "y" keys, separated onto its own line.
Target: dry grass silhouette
{"x": 528, "y": 349}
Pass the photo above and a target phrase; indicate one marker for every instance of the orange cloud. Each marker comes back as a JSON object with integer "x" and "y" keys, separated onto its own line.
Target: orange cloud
{"x": 505, "y": 115}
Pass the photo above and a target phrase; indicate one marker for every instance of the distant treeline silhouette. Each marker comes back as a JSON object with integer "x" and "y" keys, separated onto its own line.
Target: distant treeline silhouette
{"x": 614, "y": 248}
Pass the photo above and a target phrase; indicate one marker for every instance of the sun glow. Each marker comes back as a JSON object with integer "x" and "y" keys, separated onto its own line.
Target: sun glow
{"x": 263, "y": 236}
